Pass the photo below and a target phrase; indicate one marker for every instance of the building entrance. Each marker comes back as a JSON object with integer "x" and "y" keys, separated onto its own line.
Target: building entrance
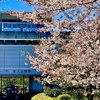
{"x": 21, "y": 84}
{"x": 13, "y": 87}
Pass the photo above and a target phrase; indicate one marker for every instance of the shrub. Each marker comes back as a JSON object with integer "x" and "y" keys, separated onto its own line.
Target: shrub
{"x": 52, "y": 92}
{"x": 64, "y": 97}
{"x": 56, "y": 92}
{"x": 97, "y": 94}
{"x": 41, "y": 96}
{"x": 77, "y": 93}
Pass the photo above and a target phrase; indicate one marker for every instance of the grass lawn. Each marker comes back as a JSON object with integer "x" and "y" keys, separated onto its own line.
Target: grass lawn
{"x": 55, "y": 98}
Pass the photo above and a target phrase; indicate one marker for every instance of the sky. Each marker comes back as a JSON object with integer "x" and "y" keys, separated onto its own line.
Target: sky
{"x": 15, "y": 5}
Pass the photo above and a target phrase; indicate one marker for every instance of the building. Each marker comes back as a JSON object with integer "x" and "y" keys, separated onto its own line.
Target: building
{"x": 15, "y": 35}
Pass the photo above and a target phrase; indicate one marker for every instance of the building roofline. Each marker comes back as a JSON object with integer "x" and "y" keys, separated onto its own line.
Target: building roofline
{"x": 7, "y": 16}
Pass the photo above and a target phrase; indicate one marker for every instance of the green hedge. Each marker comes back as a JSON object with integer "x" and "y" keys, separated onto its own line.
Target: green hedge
{"x": 41, "y": 96}
{"x": 64, "y": 97}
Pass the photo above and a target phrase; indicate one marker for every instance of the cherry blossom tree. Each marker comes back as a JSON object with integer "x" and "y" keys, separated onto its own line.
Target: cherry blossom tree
{"x": 76, "y": 60}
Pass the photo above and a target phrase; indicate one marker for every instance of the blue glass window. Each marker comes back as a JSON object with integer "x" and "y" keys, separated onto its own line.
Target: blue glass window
{"x": 28, "y": 25}
{"x": 33, "y": 26}
{"x": 18, "y": 25}
{"x": 24, "y": 25}
{"x": 0, "y": 27}
{"x": 5, "y": 25}
{"x": 9, "y": 25}
{"x": 14, "y": 26}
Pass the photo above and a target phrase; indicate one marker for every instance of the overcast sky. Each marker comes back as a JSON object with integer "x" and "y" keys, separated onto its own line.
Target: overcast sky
{"x": 14, "y": 5}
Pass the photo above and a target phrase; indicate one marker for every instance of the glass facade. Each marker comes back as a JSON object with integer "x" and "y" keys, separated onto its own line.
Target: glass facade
{"x": 24, "y": 27}
{"x": 13, "y": 59}
{"x": 21, "y": 30}
{"x": 23, "y": 35}
{"x": 19, "y": 35}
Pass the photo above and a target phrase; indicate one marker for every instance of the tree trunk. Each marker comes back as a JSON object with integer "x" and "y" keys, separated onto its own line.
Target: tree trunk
{"x": 90, "y": 89}
{"x": 90, "y": 96}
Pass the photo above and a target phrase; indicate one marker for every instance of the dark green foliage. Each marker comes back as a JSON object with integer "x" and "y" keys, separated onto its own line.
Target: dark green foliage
{"x": 64, "y": 97}
{"x": 97, "y": 94}
{"x": 77, "y": 94}
{"x": 52, "y": 92}
{"x": 74, "y": 91}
